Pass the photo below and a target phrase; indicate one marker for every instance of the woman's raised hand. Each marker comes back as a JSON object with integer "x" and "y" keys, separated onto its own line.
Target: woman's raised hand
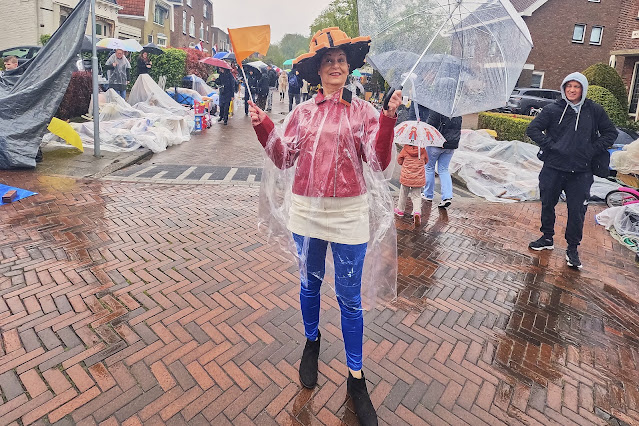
{"x": 257, "y": 115}
{"x": 394, "y": 103}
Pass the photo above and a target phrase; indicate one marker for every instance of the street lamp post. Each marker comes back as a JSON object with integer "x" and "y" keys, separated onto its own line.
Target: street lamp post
{"x": 94, "y": 73}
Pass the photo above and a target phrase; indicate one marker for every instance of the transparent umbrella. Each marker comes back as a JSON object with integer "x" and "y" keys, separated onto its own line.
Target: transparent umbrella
{"x": 453, "y": 56}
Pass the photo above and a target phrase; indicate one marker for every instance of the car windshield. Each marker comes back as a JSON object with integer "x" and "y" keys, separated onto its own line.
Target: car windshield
{"x": 515, "y": 92}
{"x": 626, "y": 136}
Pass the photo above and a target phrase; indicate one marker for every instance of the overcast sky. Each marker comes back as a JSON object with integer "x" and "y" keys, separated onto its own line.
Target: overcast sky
{"x": 283, "y": 16}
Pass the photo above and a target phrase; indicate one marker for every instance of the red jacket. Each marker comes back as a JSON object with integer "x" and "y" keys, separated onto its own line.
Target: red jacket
{"x": 413, "y": 173}
{"x": 328, "y": 138}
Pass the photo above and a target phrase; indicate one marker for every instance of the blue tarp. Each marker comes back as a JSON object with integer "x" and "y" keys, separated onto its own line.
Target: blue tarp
{"x": 22, "y": 193}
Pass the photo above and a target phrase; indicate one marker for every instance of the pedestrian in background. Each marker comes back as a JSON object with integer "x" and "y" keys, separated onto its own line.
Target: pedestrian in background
{"x": 283, "y": 83}
{"x": 294, "y": 88}
{"x": 262, "y": 91}
{"x": 144, "y": 63}
{"x": 118, "y": 72}
{"x": 226, "y": 86}
{"x": 251, "y": 83}
{"x": 570, "y": 132}
{"x": 272, "y": 86}
{"x": 305, "y": 94}
{"x": 412, "y": 179}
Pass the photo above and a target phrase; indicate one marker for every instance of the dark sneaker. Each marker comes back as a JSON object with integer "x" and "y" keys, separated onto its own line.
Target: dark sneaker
{"x": 542, "y": 244}
{"x": 444, "y": 203}
{"x": 572, "y": 259}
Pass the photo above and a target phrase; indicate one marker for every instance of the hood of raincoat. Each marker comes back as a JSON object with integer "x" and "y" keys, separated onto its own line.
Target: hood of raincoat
{"x": 412, "y": 160}
{"x": 331, "y": 149}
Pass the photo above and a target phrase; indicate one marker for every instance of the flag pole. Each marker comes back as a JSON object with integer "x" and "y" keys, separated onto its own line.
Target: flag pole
{"x": 94, "y": 75}
{"x": 246, "y": 82}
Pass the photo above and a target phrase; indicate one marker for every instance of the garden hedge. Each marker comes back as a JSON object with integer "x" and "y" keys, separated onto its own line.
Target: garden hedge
{"x": 77, "y": 96}
{"x": 606, "y": 76}
{"x": 609, "y": 102}
{"x": 509, "y": 127}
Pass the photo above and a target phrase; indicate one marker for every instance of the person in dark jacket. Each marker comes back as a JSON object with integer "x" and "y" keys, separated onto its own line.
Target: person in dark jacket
{"x": 226, "y": 84}
{"x": 251, "y": 83}
{"x": 294, "y": 89}
{"x": 272, "y": 86}
{"x": 450, "y": 128}
{"x": 262, "y": 91}
{"x": 144, "y": 63}
{"x": 569, "y": 132}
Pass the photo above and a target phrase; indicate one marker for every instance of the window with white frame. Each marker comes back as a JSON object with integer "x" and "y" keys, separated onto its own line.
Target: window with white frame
{"x": 161, "y": 41}
{"x": 160, "y": 15}
{"x": 206, "y": 11}
{"x": 579, "y": 33}
{"x": 149, "y": 38}
{"x": 192, "y": 27}
{"x": 537, "y": 79}
{"x": 596, "y": 34}
{"x": 201, "y": 30}
{"x": 184, "y": 22}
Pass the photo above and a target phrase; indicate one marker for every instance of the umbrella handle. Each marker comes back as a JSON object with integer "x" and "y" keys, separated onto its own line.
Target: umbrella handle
{"x": 388, "y": 95}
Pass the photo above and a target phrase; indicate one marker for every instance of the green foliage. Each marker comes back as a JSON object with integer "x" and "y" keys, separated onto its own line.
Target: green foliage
{"x": 293, "y": 45}
{"x": 607, "y": 77}
{"x": 274, "y": 56}
{"x": 172, "y": 64}
{"x": 340, "y": 13}
{"x": 509, "y": 127}
{"x": 609, "y": 102}
{"x": 44, "y": 38}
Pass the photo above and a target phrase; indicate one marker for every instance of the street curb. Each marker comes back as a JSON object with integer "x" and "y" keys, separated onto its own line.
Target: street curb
{"x": 120, "y": 163}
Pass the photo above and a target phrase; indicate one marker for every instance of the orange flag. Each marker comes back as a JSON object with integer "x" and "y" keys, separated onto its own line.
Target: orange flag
{"x": 248, "y": 40}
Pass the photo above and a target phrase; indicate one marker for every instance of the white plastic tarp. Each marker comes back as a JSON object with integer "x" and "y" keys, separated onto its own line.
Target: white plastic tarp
{"x": 627, "y": 160}
{"x": 155, "y": 121}
{"x": 504, "y": 171}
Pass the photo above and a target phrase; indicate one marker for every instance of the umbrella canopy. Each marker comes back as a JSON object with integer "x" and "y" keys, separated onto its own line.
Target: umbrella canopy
{"x": 419, "y": 134}
{"x": 453, "y": 56}
{"x": 288, "y": 63}
{"x": 227, "y": 55}
{"x": 153, "y": 49}
{"x": 129, "y": 45}
{"x": 356, "y": 73}
{"x": 220, "y": 55}
{"x": 216, "y": 62}
{"x": 258, "y": 65}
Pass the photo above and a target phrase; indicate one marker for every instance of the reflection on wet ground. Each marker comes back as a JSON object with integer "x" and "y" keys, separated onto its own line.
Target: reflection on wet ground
{"x": 160, "y": 304}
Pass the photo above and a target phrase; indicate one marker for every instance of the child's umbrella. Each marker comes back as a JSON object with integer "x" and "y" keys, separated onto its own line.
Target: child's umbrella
{"x": 248, "y": 40}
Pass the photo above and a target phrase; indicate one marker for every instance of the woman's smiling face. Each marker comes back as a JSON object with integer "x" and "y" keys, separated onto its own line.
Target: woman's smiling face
{"x": 333, "y": 69}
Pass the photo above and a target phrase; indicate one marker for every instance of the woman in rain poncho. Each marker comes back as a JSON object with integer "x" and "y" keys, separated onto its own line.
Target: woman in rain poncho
{"x": 332, "y": 150}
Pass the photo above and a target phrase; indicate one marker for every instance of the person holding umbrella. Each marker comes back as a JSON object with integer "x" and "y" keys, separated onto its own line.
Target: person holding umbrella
{"x": 251, "y": 83}
{"x": 119, "y": 70}
{"x": 333, "y": 196}
{"x": 226, "y": 84}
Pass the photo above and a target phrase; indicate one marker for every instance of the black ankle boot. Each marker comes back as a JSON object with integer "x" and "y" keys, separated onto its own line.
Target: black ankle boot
{"x": 308, "y": 366}
{"x": 361, "y": 400}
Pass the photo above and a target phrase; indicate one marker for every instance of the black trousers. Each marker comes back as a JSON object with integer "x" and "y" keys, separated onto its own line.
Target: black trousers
{"x": 293, "y": 97}
{"x": 224, "y": 109}
{"x": 577, "y": 189}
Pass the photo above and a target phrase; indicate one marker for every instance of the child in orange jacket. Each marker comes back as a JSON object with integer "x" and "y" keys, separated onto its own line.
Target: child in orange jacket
{"x": 413, "y": 178}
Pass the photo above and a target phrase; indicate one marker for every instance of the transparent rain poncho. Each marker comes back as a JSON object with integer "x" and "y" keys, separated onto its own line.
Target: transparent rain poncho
{"x": 453, "y": 56}
{"x": 326, "y": 176}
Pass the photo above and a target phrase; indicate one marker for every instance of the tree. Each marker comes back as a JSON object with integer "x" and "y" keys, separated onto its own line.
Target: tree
{"x": 340, "y": 13}
{"x": 44, "y": 38}
{"x": 292, "y": 44}
{"x": 274, "y": 56}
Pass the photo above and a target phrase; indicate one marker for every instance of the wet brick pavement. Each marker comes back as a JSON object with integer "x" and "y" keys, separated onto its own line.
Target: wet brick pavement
{"x": 131, "y": 303}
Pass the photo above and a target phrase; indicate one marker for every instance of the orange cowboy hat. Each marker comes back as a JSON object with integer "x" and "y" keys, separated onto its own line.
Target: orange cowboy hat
{"x": 329, "y": 38}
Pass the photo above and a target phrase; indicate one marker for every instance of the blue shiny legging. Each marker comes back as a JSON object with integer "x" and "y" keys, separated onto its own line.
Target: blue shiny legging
{"x": 349, "y": 263}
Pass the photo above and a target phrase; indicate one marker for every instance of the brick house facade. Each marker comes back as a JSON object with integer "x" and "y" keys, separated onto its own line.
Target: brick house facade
{"x": 193, "y": 23}
{"x": 568, "y": 36}
{"x": 625, "y": 51}
{"x": 152, "y": 17}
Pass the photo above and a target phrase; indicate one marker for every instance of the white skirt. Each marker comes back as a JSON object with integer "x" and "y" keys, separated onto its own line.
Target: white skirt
{"x": 339, "y": 220}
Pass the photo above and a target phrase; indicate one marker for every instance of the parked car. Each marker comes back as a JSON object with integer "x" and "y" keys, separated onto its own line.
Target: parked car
{"x": 23, "y": 53}
{"x": 529, "y": 100}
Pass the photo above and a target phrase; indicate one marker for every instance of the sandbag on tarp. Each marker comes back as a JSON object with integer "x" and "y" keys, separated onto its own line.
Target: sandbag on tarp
{"x": 30, "y": 95}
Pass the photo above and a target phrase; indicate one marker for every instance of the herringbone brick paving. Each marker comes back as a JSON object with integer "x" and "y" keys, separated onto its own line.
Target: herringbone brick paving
{"x": 125, "y": 303}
